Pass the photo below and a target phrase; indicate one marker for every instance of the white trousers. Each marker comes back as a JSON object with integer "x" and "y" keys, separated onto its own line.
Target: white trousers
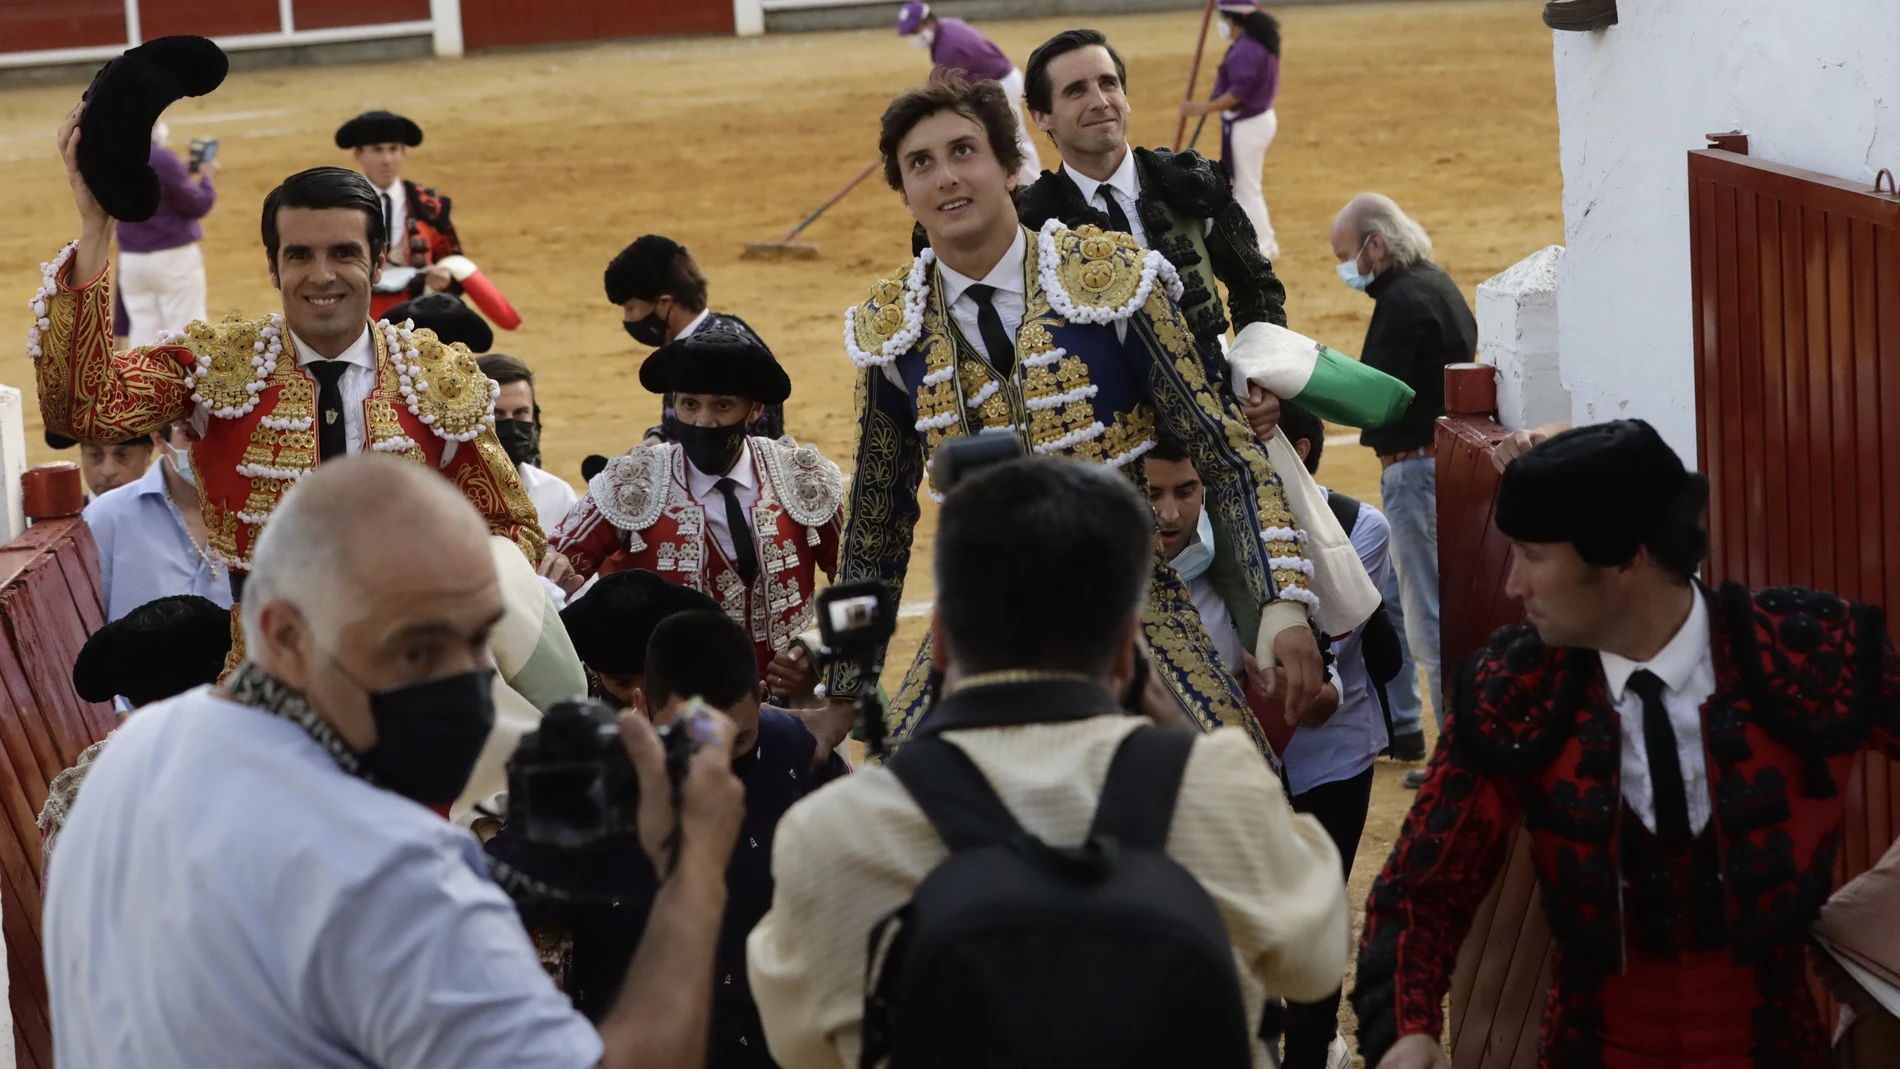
{"x": 162, "y": 290}
{"x": 1249, "y": 139}
{"x": 1031, "y": 169}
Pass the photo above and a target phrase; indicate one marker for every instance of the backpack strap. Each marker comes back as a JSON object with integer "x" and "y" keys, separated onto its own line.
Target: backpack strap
{"x": 1138, "y": 796}
{"x": 953, "y": 793}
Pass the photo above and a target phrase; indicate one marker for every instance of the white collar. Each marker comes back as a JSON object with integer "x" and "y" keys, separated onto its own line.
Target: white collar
{"x": 395, "y": 190}
{"x": 1006, "y": 276}
{"x": 362, "y": 351}
{"x": 1674, "y": 663}
{"x": 1123, "y": 180}
{"x": 698, "y": 321}
{"x": 745, "y": 473}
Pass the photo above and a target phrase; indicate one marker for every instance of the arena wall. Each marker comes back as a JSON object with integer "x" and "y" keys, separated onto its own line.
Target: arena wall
{"x": 1810, "y": 84}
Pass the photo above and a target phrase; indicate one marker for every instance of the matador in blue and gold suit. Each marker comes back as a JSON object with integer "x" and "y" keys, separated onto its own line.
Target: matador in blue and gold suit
{"x": 1103, "y": 360}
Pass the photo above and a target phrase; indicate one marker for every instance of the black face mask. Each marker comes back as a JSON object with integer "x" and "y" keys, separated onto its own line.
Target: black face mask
{"x": 650, "y": 332}
{"x": 429, "y": 735}
{"x": 521, "y": 439}
{"x": 713, "y": 450}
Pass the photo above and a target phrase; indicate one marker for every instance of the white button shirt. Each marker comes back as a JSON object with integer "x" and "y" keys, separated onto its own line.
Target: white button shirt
{"x": 1687, "y": 668}
{"x": 698, "y": 321}
{"x": 398, "y": 221}
{"x": 705, "y": 490}
{"x": 1123, "y": 185}
{"x": 1010, "y": 299}
{"x": 355, "y": 385}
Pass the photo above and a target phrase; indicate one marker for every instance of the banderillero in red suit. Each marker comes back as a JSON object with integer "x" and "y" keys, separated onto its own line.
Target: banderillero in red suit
{"x": 1691, "y": 961}
{"x": 639, "y": 513}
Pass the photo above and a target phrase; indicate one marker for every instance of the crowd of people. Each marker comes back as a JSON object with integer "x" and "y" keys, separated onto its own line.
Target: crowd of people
{"x": 431, "y": 759}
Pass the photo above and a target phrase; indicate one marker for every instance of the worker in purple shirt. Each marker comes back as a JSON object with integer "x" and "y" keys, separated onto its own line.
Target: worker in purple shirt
{"x": 1244, "y": 90}
{"x": 958, "y": 51}
{"x": 161, "y": 272}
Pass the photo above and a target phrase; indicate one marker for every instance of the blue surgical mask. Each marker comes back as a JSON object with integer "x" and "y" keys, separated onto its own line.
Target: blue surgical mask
{"x": 181, "y": 463}
{"x": 1193, "y": 560}
{"x": 1349, "y": 272}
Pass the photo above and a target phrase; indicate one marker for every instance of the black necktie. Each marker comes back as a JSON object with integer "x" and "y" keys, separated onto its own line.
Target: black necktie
{"x": 1117, "y": 219}
{"x": 1002, "y": 351}
{"x": 332, "y": 433}
{"x": 745, "y": 557}
{"x": 389, "y": 223}
{"x": 1665, "y": 763}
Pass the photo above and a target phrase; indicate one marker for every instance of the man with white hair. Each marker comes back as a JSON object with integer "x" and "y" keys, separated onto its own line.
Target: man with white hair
{"x": 257, "y": 874}
{"x": 1420, "y": 323}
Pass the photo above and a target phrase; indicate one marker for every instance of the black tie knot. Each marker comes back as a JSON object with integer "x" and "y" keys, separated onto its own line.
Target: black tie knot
{"x": 328, "y": 372}
{"x": 1647, "y": 685}
{"x": 989, "y": 325}
{"x": 725, "y": 486}
{"x": 981, "y": 294}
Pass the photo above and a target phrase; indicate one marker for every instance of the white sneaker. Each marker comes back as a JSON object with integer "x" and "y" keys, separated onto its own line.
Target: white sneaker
{"x": 1339, "y": 1055}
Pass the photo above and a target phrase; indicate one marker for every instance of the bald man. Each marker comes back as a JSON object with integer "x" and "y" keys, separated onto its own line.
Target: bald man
{"x": 255, "y": 875}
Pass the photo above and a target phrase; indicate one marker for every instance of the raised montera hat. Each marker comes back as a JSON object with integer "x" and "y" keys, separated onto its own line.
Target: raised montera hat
{"x": 124, "y": 101}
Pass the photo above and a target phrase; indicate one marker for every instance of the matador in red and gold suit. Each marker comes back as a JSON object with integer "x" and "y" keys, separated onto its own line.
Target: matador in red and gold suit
{"x": 1684, "y": 802}
{"x": 244, "y": 387}
{"x": 749, "y": 520}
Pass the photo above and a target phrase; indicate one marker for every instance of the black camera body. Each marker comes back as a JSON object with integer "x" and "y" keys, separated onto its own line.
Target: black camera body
{"x": 571, "y": 783}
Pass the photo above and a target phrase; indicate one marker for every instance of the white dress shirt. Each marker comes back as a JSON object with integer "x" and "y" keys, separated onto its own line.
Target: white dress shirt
{"x": 550, "y": 494}
{"x": 1010, "y": 299}
{"x": 705, "y": 490}
{"x": 1687, "y": 668}
{"x": 1123, "y": 185}
{"x": 398, "y": 221}
{"x": 355, "y": 385}
{"x": 698, "y": 322}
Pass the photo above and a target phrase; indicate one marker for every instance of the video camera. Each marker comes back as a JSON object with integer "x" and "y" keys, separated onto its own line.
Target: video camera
{"x": 571, "y": 783}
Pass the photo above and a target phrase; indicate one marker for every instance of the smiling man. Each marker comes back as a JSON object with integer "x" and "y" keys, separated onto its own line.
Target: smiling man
{"x": 1072, "y": 342}
{"x": 1179, "y": 204}
{"x": 272, "y": 398}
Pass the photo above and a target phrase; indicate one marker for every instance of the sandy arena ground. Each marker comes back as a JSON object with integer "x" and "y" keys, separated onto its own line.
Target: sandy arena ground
{"x": 556, "y": 159}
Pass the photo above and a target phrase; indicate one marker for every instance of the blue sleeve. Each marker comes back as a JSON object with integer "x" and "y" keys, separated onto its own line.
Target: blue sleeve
{"x": 1372, "y": 538}
{"x": 105, "y": 536}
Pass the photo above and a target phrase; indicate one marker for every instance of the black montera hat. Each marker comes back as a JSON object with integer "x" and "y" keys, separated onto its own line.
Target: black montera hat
{"x": 126, "y": 97}
{"x": 451, "y": 320}
{"x": 716, "y": 361}
{"x": 159, "y": 649}
{"x": 378, "y": 128}
{"x": 642, "y": 269}
{"x": 1602, "y": 488}
{"x": 611, "y": 623}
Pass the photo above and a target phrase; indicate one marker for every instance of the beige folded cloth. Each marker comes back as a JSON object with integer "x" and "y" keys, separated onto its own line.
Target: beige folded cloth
{"x": 1860, "y": 927}
{"x": 1346, "y": 593}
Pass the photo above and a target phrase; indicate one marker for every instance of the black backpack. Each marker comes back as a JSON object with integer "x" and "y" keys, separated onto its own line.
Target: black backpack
{"x": 1015, "y": 953}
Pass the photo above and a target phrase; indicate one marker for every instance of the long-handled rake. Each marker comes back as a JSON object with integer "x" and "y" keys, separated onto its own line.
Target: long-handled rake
{"x": 787, "y": 249}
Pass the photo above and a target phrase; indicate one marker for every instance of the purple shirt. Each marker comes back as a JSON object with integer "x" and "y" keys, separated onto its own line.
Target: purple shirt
{"x": 959, "y": 47}
{"x": 182, "y": 201}
{"x": 1252, "y": 74}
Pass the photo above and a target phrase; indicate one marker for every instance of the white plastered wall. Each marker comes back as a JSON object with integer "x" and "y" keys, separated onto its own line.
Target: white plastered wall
{"x": 1813, "y": 83}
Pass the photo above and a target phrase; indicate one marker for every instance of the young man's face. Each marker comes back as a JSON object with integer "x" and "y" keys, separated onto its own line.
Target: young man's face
{"x": 1177, "y": 494}
{"x": 953, "y": 183}
{"x": 515, "y": 401}
{"x": 324, "y": 269}
{"x": 624, "y": 689}
{"x": 1089, "y": 104}
{"x": 715, "y": 409}
{"x": 381, "y": 163}
{"x": 108, "y": 467}
{"x": 1570, "y": 601}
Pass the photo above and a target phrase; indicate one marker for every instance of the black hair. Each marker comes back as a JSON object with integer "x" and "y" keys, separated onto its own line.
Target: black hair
{"x": 326, "y": 187}
{"x": 1298, "y": 423}
{"x": 505, "y": 369}
{"x": 1042, "y": 564}
{"x": 1680, "y": 540}
{"x": 1037, "y": 91}
{"x": 1169, "y": 448}
{"x": 983, "y": 103}
{"x": 1260, "y": 26}
{"x": 702, "y": 654}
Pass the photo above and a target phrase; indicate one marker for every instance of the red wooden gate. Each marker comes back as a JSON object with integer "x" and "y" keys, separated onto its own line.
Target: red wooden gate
{"x": 1796, "y": 278}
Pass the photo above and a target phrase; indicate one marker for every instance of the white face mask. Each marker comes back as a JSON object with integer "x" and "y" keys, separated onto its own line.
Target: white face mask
{"x": 1226, "y": 30}
{"x": 181, "y": 463}
{"x": 923, "y": 39}
{"x": 1193, "y": 560}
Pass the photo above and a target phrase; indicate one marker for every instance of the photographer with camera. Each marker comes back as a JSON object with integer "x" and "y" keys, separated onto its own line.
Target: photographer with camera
{"x": 1001, "y": 948}
{"x": 597, "y": 903}
{"x": 254, "y": 874}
